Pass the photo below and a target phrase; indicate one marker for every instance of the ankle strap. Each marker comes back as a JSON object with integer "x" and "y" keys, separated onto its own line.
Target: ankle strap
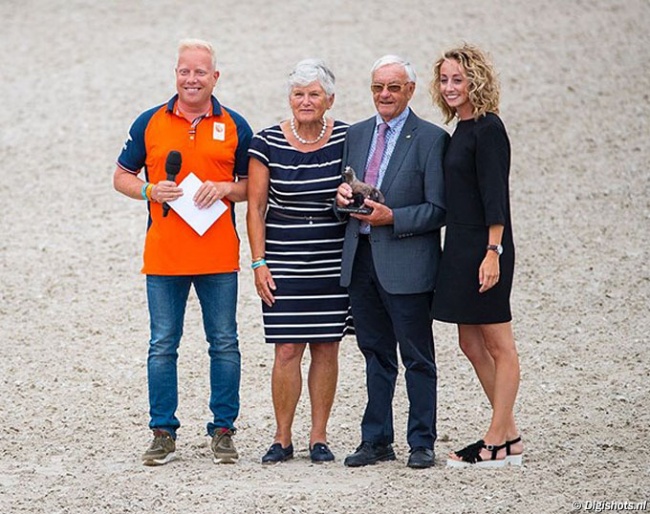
{"x": 494, "y": 449}
{"x": 510, "y": 443}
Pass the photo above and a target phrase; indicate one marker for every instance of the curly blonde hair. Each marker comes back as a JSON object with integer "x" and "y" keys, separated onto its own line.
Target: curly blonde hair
{"x": 483, "y": 84}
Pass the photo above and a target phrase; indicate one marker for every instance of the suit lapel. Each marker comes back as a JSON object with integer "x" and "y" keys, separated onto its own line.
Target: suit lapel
{"x": 404, "y": 142}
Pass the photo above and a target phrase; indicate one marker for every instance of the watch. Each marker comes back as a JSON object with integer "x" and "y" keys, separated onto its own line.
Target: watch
{"x": 496, "y": 248}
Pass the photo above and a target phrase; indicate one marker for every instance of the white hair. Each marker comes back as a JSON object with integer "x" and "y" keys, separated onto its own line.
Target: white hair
{"x": 193, "y": 44}
{"x": 310, "y": 70}
{"x": 394, "y": 59}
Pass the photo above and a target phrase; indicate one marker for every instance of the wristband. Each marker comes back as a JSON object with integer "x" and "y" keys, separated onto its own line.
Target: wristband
{"x": 148, "y": 192}
{"x": 258, "y": 264}
{"x": 143, "y": 191}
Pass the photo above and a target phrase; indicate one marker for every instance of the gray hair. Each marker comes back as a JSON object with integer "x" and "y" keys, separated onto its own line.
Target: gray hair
{"x": 394, "y": 59}
{"x": 310, "y": 70}
{"x": 193, "y": 44}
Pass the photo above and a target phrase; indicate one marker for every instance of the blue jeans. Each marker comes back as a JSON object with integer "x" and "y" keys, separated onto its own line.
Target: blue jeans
{"x": 167, "y": 298}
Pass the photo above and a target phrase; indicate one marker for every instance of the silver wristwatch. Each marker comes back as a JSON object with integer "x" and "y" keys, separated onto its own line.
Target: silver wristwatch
{"x": 496, "y": 248}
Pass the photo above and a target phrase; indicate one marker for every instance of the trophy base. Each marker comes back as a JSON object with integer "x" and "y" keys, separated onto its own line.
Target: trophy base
{"x": 355, "y": 210}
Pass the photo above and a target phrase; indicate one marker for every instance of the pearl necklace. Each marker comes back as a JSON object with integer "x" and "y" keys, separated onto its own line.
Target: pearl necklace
{"x": 305, "y": 141}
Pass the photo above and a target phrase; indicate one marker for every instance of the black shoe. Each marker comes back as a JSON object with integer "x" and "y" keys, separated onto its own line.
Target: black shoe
{"x": 369, "y": 453}
{"x": 320, "y": 453}
{"x": 421, "y": 458}
{"x": 278, "y": 454}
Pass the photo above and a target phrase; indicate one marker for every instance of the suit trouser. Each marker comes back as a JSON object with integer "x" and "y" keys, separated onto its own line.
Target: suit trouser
{"x": 382, "y": 322}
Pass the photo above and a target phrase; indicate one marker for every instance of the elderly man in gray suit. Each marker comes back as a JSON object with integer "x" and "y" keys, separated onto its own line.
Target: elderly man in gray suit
{"x": 390, "y": 260}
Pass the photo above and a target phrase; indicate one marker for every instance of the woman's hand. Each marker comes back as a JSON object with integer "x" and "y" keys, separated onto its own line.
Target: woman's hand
{"x": 343, "y": 195}
{"x": 264, "y": 284}
{"x": 488, "y": 272}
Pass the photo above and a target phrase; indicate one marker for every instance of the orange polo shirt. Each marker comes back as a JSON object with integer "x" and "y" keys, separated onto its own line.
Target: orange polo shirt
{"x": 213, "y": 148}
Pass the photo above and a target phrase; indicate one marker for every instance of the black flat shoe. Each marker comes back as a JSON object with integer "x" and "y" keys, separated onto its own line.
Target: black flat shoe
{"x": 278, "y": 454}
{"x": 421, "y": 458}
{"x": 320, "y": 453}
{"x": 369, "y": 453}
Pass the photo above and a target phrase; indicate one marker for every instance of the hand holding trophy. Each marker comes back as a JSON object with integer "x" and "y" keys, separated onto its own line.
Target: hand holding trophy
{"x": 360, "y": 191}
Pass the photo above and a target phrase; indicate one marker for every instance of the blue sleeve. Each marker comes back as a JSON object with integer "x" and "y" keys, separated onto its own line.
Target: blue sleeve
{"x": 244, "y": 135}
{"x": 134, "y": 152}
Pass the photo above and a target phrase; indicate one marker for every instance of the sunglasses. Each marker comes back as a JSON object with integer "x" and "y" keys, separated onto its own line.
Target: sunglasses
{"x": 377, "y": 88}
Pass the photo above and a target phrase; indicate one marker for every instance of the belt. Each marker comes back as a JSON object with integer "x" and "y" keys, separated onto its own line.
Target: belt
{"x": 299, "y": 217}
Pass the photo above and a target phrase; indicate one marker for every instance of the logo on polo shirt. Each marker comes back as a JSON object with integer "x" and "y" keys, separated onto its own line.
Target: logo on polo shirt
{"x": 218, "y": 131}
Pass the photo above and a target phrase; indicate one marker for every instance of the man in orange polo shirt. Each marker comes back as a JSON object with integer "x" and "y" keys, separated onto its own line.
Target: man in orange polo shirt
{"x": 212, "y": 141}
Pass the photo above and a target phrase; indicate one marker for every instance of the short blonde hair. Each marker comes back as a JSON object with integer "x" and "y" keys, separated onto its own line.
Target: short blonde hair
{"x": 192, "y": 44}
{"x": 483, "y": 84}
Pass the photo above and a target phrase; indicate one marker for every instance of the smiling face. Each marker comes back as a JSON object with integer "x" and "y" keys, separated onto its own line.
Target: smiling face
{"x": 391, "y": 104}
{"x": 195, "y": 79}
{"x": 454, "y": 88}
{"x": 309, "y": 103}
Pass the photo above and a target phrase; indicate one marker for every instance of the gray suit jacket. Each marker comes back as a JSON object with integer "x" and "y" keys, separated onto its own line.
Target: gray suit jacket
{"x": 405, "y": 254}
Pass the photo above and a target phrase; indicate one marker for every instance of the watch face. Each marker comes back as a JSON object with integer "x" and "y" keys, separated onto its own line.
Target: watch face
{"x": 496, "y": 248}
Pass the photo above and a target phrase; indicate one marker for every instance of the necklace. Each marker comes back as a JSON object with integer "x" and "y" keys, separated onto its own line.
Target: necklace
{"x": 305, "y": 141}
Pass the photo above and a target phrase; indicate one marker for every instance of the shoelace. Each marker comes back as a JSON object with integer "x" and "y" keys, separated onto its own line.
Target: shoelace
{"x": 224, "y": 441}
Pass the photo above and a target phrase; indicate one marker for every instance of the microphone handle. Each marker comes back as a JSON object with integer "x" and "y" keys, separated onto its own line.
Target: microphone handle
{"x": 166, "y": 206}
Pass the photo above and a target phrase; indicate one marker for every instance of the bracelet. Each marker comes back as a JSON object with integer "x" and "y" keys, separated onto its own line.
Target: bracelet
{"x": 143, "y": 191}
{"x": 258, "y": 259}
{"x": 148, "y": 192}
{"x": 258, "y": 264}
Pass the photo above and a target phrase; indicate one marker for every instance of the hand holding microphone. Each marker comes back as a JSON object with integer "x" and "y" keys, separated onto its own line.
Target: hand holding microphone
{"x": 172, "y": 168}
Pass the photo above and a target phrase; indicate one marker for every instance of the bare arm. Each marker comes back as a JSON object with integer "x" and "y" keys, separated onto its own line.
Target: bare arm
{"x": 258, "y": 194}
{"x": 127, "y": 183}
{"x": 239, "y": 191}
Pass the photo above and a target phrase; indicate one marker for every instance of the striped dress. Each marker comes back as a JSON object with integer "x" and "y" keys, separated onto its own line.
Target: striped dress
{"x": 304, "y": 240}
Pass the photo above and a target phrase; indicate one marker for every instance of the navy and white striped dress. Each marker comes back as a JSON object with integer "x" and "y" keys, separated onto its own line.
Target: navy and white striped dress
{"x": 304, "y": 240}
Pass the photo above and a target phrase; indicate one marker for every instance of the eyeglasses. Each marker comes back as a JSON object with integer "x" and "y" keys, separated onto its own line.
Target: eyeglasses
{"x": 377, "y": 88}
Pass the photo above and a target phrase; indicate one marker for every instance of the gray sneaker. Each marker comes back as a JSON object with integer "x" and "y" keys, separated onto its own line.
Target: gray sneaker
{"x": 223, "y": 448}
{"x": 161, "y": 451}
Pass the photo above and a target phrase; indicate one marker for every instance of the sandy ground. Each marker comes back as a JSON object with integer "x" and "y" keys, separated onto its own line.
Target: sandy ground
{"x": 73, "y": 316}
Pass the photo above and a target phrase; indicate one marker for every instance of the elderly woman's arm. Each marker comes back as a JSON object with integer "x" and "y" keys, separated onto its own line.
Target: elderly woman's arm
{"x": 258, "y": 194}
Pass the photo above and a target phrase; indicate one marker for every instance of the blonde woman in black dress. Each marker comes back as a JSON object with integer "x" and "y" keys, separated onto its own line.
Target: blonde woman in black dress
{"x": 475, "y": 278}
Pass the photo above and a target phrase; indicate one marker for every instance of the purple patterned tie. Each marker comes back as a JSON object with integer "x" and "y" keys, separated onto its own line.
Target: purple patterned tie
{"x": 372, "y": 171}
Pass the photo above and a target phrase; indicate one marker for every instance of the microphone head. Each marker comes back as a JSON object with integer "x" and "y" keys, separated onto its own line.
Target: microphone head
{"x": 173, "y": 163}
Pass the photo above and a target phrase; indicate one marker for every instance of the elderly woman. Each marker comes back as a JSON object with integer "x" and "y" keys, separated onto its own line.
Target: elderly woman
{"x": 477, "y": 267}
{"x": 296, "y": 245}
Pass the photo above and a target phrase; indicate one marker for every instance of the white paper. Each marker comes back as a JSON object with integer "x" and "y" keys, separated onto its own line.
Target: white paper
{"x": 199, "y": 219}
